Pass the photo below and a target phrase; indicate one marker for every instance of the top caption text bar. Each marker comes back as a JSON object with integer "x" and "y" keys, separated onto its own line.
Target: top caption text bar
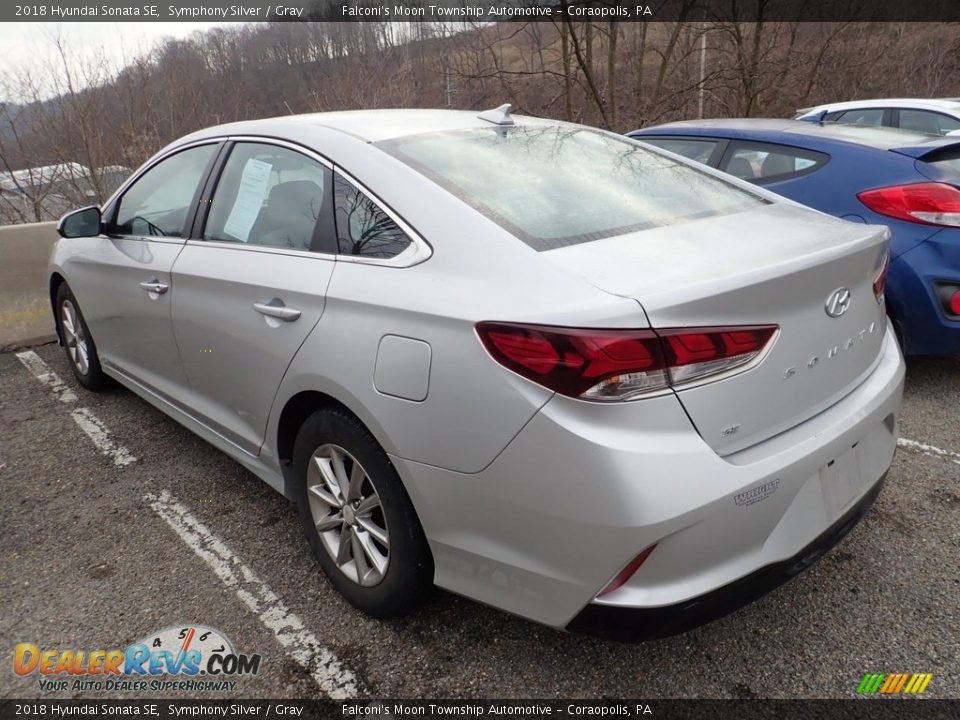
{"x": 483, "y": 11}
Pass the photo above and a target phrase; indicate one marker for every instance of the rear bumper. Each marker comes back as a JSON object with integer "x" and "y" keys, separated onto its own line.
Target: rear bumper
{"x": 627, "y": 624}
{"x": 584, "y": 487}
{"x": 927, "y": 330}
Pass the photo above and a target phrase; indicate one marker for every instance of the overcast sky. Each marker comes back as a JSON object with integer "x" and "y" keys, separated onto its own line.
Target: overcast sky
{"x": 23, "y": 45}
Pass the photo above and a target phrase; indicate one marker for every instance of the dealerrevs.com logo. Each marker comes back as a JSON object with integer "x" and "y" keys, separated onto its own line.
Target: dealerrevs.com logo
{"x": 198, "y": 658}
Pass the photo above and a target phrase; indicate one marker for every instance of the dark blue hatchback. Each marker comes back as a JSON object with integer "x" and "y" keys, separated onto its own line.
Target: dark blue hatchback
{"x": 906, "y": 181}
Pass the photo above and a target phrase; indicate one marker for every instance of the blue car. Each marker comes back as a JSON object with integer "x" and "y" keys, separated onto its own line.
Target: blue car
{"x": 906, "y": 181}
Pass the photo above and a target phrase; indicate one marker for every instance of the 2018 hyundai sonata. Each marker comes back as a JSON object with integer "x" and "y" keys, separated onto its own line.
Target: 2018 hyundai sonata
{"x": 534, "y": 363}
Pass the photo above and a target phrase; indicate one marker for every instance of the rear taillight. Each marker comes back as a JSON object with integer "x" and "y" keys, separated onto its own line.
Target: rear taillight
{"x": 929, "y": 203}
{"x": 611, "y": 365}
{"x": 880, "y": 279}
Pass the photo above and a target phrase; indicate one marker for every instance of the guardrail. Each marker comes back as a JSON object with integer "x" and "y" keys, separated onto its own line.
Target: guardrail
{"x": 25, "y": 317}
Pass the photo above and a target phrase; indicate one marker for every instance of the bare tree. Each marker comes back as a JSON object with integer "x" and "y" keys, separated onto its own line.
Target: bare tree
{"x": 70, "y": 125}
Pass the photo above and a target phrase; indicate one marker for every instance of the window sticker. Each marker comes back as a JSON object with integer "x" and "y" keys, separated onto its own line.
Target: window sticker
{"x": 250, "y": 197}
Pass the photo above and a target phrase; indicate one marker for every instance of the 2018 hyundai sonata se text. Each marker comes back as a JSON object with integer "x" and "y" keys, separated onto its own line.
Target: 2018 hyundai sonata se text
{"x": 541, "y": 365}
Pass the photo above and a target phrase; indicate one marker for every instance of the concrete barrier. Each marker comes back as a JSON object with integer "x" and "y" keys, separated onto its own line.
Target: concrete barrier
{"x": 25, "y": 317}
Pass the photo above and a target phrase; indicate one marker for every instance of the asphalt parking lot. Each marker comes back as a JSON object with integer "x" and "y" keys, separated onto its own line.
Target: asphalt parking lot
{"x": 117, "y": 522}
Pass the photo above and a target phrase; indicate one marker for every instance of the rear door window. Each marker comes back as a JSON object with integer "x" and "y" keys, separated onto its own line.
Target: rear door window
{"x": 762, "y": 162}
{"x": 271, "y": 196}
{"x": 867, "y": 117}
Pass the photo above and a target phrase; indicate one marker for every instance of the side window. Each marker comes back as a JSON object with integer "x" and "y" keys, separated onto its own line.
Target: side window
{"x": 158, "y": 202}
{"x": 867, "y": 117}
{"x": 699, "y": 150}
{"x": 932, "y": 123}
{"x": 759, "y": 163}
{"x": 270, "y": 196}
{"x": 363, "y": 228}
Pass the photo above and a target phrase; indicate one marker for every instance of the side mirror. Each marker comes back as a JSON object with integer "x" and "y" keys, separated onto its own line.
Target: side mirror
{"x": 80, "y": 223}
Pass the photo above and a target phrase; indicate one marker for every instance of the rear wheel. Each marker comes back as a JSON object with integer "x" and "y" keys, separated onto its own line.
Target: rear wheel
{"x": 77, "y": 344}
{"x": 357, "y": 516}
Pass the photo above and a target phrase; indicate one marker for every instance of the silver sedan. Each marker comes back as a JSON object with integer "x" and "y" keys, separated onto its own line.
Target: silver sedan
{"x": 541, "y": 365}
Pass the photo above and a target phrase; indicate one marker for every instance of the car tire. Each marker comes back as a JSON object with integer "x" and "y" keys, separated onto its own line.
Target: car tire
{"x": 77, "y": 342}
{"x": 353, "y": 504}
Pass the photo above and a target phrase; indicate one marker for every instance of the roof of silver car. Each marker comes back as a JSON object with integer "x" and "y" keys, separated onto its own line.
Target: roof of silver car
{"x": 377, "y": 125}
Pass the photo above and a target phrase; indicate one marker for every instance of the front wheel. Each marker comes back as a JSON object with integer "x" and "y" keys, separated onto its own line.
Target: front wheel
{"x": 357, "y": 516}
{"x": 78, "y": 345}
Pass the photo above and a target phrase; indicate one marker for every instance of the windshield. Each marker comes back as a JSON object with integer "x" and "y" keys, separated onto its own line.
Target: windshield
{"x": 553, "y": 186}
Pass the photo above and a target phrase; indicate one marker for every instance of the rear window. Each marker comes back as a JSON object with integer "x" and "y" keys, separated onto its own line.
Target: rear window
{"x": 930, "y": 123}
{"x": 947, "y": 159}
{"x": 554, "y": 186}
{"x": 762, "y": 162}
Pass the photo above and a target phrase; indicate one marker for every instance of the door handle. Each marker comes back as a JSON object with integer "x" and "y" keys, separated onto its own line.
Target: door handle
{"x": 276, "y": 309}
{"x": 155, "y": 286}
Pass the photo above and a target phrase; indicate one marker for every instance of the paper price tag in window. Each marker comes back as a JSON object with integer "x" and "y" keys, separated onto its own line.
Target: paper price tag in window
{"x": 250, "y": 196}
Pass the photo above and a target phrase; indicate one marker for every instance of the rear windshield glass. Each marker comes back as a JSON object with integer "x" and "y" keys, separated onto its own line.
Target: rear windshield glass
{"x": 948, "y": 159}
{"x": 553, "y": 186}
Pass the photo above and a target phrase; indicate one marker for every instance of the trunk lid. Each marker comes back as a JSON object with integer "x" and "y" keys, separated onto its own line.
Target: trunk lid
{"x": 777, "y": 264}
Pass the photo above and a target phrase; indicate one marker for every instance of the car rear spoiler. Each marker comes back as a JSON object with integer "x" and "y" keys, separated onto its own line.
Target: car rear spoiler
{"x": 815, "y": 118}
{"x": 928, "y": 151}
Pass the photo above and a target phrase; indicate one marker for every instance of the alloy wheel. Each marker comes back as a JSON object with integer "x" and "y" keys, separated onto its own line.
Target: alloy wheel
{"x": 347, "y": 513}
{"x": 74, "y": 337}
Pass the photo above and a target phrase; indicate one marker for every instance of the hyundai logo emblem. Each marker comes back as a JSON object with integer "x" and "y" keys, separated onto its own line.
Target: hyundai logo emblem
{"x": 838, "y": 302}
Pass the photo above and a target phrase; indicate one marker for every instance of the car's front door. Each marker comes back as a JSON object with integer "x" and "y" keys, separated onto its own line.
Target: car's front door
{"x": 123, "y": 280}
{"x": 251, "y": 286}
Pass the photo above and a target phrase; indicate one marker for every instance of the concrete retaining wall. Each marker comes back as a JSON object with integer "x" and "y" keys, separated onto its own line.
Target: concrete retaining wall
{"x": 25, "y": 316}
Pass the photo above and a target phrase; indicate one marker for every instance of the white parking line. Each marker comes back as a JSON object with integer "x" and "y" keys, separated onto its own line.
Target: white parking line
{"x": 930, "y": 450}
{"x": 98, "y": 432}
{"x": 39, "y": 369}
{"x": 83, "y": 417}
{"x": 333, "y": 678}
